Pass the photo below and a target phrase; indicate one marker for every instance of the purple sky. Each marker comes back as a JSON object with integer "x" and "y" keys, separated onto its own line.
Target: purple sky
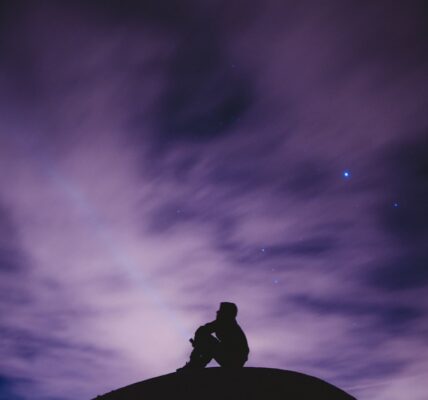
{"x": 157, "y": 159}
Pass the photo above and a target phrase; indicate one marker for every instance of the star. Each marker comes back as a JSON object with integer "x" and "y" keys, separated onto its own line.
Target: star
{"x": 396, "y": 204}
{"x": 346, "y": 174}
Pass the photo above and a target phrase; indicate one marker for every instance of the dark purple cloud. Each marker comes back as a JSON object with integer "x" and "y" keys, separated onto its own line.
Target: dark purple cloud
{"x": 157, "y": 159}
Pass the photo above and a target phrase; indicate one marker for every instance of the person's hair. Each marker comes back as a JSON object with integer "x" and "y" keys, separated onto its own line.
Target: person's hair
{"x": 229, "y": 309}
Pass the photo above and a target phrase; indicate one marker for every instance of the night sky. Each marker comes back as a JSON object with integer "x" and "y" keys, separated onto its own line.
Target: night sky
{"x": 159, "y": 157}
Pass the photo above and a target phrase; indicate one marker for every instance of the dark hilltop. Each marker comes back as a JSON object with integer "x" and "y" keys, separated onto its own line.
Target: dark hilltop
{"x": 221, "y": 383}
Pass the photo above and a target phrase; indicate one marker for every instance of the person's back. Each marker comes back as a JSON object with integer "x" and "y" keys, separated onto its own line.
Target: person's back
{"x": 233, "y": 339}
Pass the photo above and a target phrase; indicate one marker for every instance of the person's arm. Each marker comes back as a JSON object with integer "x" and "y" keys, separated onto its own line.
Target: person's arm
{"x": 206, "y": 329}
{"x": 210, "y": 327}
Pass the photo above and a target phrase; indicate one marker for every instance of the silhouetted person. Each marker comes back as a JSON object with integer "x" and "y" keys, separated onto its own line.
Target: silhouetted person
{"x": 228, "y": 347}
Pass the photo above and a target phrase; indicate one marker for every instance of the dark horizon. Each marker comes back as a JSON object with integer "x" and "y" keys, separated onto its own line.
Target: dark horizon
{"x": 157, "y": 159}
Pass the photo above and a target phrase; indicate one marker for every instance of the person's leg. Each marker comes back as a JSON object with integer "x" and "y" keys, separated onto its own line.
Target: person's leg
{"x": 204, "y": 348}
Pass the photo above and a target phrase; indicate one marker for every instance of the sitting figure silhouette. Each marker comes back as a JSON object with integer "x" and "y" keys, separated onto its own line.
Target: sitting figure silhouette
{"x": 228, "y": 347}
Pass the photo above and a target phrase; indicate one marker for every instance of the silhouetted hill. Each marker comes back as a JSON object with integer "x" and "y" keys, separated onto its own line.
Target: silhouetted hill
{"x": 223, "y": 384}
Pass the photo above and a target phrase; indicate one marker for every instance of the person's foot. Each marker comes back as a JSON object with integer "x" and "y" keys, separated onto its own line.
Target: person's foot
{"x": 189, "y": 367}
{"x": 185, "y": 368}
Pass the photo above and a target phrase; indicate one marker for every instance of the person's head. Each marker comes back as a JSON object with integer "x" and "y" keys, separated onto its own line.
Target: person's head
{"x": 227, "y": 311}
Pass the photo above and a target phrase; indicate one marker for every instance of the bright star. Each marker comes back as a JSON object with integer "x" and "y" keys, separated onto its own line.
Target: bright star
{"x": 346, "y": 174}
